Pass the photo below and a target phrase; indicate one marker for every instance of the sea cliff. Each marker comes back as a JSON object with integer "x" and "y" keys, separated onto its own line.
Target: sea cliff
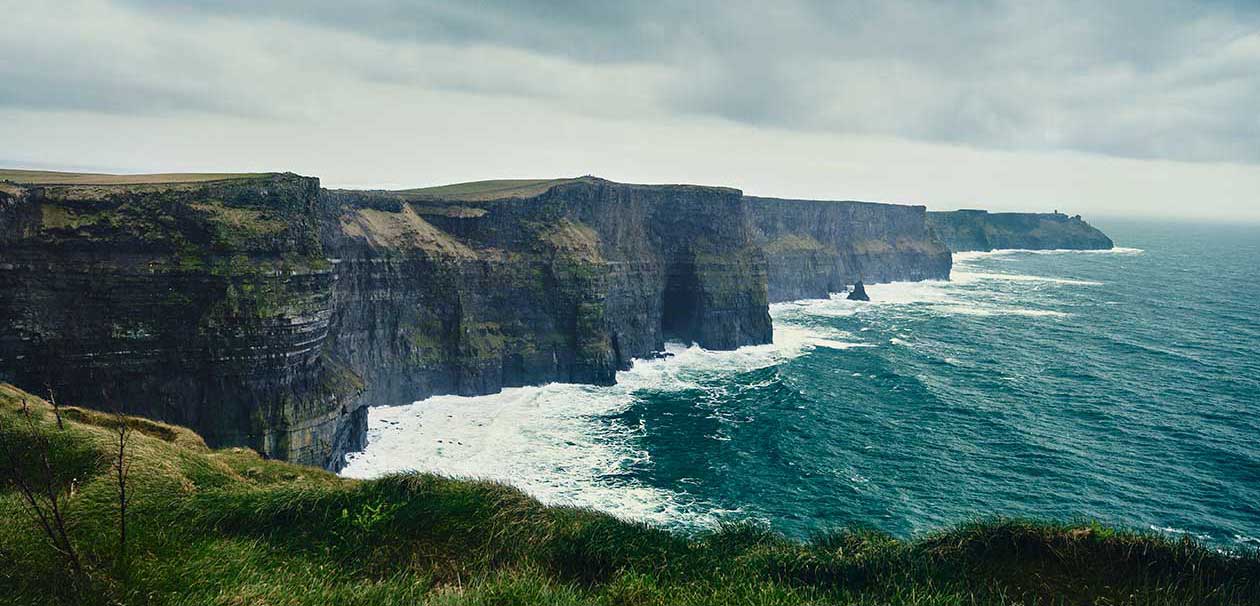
{"x": 449, "y": 292}
{"x": 979, "y": 230}
{"x": 816, "y": 247}
{"x": 205, "y": 303}
{"x": 264, "y": 311}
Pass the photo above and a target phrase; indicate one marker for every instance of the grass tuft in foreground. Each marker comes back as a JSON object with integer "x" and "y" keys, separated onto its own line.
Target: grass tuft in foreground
{"x": 227, "y": 527}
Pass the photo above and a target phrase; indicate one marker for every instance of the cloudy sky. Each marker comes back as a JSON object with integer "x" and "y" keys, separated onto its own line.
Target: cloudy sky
{"x": 1101, "y": 108}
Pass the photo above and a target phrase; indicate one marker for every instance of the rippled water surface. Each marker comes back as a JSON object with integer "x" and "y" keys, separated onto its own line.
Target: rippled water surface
{"x": 1122, "y": 386}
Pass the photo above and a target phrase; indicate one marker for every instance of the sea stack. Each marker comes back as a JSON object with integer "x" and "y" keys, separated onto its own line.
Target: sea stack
{"x": 859, "y": 293}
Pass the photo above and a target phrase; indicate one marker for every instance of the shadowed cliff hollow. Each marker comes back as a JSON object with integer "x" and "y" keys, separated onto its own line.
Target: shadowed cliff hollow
{"x": 979, "y": 230}
{"x": 264, "y": 311}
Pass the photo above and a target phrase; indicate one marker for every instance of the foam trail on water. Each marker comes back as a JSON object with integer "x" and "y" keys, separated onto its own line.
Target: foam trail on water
{"x": 561, "y": 443}
{"x": 975, "y": 254}
{"x": 967, "y": 277}
{"x": 932, "y": 296}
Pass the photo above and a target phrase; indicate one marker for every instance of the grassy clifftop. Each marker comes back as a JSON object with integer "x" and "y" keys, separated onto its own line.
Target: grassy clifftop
{"x": 49, "y": 177}
{"x": 226, "y": 527}
{"x": 484, "y": 190}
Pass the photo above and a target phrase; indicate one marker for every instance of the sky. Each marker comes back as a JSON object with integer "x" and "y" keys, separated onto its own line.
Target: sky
{"x": 1122, "y": 107}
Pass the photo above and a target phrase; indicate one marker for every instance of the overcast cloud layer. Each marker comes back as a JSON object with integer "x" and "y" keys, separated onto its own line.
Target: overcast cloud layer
{"x": 1112, "y": 106}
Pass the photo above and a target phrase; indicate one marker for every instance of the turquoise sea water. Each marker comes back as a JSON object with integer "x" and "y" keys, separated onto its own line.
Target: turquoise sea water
{"x": 1120, "y": 386}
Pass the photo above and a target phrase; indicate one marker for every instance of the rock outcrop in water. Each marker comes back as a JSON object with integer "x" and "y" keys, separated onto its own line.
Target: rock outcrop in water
{"x": 859, "y": 293}
{"x": 264, "y": 311}
{"x": 979, "y": 230}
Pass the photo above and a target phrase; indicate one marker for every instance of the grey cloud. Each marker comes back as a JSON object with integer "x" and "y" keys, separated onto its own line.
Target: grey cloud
{"x": 53, "y": 91}
{"x": 592, "y": 31}
{"x": 1159, "y": 79}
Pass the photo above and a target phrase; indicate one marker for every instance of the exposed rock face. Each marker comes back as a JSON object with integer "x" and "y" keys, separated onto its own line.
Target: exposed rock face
{"x": 469, "y": 296}
{"x": 859, "y": 293}
{"x": 204, "y": 304}
{"x": 978, "y": 230}
{"x": 262, "y": 311}
{"x": 815, "y": 247}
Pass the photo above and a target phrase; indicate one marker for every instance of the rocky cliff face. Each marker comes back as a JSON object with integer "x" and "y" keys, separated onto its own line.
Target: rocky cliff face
{"x": 205, "y": 304}
{"x": 438, "y": 294}
{"x": 978, "y": 230}
{"x": 263, "y": 311}
{"x": 815, "y": 247}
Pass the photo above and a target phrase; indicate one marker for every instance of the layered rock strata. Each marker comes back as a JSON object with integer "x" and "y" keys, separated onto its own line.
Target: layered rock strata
{"x": 263, "y": 311}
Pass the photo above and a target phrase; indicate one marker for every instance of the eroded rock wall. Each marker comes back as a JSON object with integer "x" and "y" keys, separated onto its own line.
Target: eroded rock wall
{"x": 265, "y": 312}
{"x": 204, "y": 304}
{"x": 816, "y": 247}
{"x": 438, "y": 296}
{"x": 262, "y": 311}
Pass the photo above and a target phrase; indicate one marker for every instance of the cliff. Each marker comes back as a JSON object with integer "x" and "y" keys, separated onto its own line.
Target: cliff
{"x": 978, "y": 230}
{"x": 815, "y": 247}
{"x": 202, "y": 302}
{"x": 263, "y": 311}
{"x": 442, "y": 291}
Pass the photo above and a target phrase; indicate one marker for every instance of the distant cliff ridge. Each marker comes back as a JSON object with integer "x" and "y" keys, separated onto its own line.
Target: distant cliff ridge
{"x": 264, "y": 311}
{"x": 815, "y": 247}
{"x": 978, "y": 230}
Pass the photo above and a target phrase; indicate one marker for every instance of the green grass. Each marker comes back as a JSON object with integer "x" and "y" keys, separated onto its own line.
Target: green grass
{"x": 226, "y": 527}
{"x": 48, "y": 177}
{"x": 484, "y": 190}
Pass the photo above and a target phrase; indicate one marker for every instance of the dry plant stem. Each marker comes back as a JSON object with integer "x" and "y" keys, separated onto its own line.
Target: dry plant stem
{"x": 43, "y": 502}
{"x": 122, "y": 467}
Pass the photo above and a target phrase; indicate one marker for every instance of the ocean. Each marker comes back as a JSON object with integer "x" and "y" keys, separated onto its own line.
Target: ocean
{"x": 1120, "y": 386}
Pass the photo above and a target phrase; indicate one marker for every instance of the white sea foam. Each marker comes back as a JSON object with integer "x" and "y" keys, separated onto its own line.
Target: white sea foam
{"x": 937, "y": 296}
{"x": 549, "y": 441}
{"x": 996, "y": 310}
{"x": 1119, "y": 250}
{"x": 563, "y": 444}
{"x": 558, "y": 441}
{"x": 1179, "y": 531}
{"x": 968, "y": 277}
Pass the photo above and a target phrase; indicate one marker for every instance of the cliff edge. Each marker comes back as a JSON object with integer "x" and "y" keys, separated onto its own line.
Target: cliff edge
{"x": 264, "y": 311}
{"x": 979, "y": 230}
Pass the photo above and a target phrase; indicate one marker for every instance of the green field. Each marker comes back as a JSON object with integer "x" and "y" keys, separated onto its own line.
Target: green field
{"x": 47, "y": 177}
{"x": 484, "y": 190}
{"x": 227, "y": 527}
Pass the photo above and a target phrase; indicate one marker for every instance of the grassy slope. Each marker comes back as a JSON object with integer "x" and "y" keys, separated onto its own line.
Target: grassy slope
{"x": 47, "y": 177}
{"x": 484, "y": 190}
{"x": 226, "y": 527}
